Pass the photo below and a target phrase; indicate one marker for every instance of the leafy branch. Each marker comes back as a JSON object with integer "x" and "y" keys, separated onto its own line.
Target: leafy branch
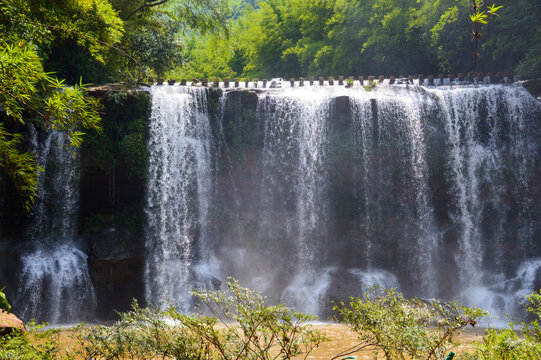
{"x": 480, "y": 17}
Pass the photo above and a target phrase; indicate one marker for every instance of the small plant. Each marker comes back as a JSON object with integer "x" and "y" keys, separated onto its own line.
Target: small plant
{"x": 480, "y": 17}
{"x": 371, "y": 85}
{"x": 349, "y": 82}
{"x": 4, "y": 304}
{"x": 33, "y": 344}
{"x": 244, "y": 327}
{"x": 404, "y": 328}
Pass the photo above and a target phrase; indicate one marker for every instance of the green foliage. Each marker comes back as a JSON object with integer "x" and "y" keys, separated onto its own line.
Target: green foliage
{"x": 244, "y": 327}
{"x": 500, "y": 344}
{"x": 533, "y": 306}
{"x": 93, "y": 23}
{"x": 505, "y": 344}
{"x": 4, "y": 304}
{"x": 141, "y": 333}
{"x": 20, "y": 166}
{"x": 297, "y": 38}
{"x": 33, "y": 344}
{"x": 405, "y": 328}
{"x": 123, "y": 141}
{"x": 27, "y": 91}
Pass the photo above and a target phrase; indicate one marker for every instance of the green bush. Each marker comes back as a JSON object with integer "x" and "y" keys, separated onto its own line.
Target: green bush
{"x": 506, "y": 344}
{"x": 34, "y": 344}
{"x": 244, "y": 327}
{"x": 404, "y": 328}
{"x": 141, "y": 333}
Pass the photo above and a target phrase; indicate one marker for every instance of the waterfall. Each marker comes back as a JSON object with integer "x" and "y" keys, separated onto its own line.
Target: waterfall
{"x": 294, "y": 187}
{"x": 492, "y": 155}
{"x": 390, "y": 134}
{"x": 314, "y": 194}
{"x": 178, "y": 193}
{"x": 55, "y": 284}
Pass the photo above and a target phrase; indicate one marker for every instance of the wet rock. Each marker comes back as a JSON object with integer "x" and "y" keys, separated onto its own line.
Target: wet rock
{"x": 116, "y": 267}
{"x": 534, "y": 87}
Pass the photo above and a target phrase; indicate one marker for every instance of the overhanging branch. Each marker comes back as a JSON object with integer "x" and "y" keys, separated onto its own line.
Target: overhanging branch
{"x": 146, "y": 4}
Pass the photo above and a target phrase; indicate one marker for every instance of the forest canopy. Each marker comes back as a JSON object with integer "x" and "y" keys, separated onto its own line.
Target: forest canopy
{"x": 294, "y": 38}
{"x": 50, "y": 48}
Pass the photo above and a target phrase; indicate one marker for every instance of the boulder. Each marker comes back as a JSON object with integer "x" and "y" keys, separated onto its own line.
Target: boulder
{"x": 10, "y": 322}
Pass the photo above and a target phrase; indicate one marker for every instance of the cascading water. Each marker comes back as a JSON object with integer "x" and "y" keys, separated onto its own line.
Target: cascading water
{"x": 492, "y": 157}
{"x": 294, "y": 177}
{"x": 314, "y": 194}
{"x": 55, "y": 284}
{"x": 392, "y": 155}
{"x": 178, "y": 194}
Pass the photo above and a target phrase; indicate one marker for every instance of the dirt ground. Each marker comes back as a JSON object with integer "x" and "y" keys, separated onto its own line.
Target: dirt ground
{"x": 341, "y": 339}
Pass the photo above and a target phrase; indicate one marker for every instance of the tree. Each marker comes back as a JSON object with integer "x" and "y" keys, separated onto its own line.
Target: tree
{"x": 27, "y": 91}
{"x": 105, "y": 41}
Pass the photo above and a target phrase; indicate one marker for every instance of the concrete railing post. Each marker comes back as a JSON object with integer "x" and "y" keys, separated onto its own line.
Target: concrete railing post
{"x": 292, "y": 82}
{"x": 321, "y": 81}
{"x": 237, "y": 83}
{"x": 392, "y": 79}
{"x": 265, "y": 83}
{"x": 226, "y": 83}
{"x": 380, "y": 79}
{"x": 301, "y": 81}
{"x": 331, "y": 80}
{"x": 311, "y": 80}
{"x": 216, "y": 83}
{"x": 441, "y": 77}
{"x": 340, "y": 80}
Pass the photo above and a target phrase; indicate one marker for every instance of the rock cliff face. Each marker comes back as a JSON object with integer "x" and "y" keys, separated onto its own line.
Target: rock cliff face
{"x": 114, "y": 171}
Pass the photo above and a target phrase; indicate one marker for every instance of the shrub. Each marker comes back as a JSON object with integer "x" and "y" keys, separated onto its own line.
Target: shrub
{"x": 404, "y": 328}
{"x": 34, "y": 344}
{"x": 500, "y": 344}
{"x": 244, "y": 327}
{"x": 141, "y": 333}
